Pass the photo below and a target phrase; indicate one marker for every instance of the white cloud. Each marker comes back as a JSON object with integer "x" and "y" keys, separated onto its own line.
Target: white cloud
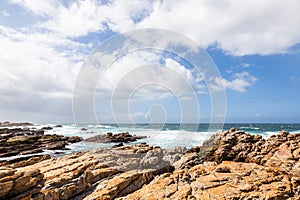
{"x": 258, "y": 115}
{"x": 83, "y": 13}
{"x": 245, "y": 65}
{"x": 142, "y": 71}
{"x": 82, "y": 17}
{"x": 140, "y": 115}
{"x": 238, "y": 27}
{"x": 5, "y": 13}
{"x": 32, "y": 63}
{"x": 43, "y": 59}
{"x": 39, "y": 7}
{"x": 239, "y": 82}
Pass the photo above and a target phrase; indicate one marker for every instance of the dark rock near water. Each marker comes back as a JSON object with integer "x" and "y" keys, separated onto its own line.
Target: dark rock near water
{"x": 24, "y": 161}
{"x": 195, "y": 149}
{"x": 47, "y": 128}
{"x": 118, "y": 145}
{"x": 22, "y": 141}
{"x": 8, "y": 124}
{"x": 114, "y": 138}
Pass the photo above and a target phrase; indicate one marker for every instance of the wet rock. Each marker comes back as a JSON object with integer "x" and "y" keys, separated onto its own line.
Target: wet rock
{"x": 114, "y": 138}
{"x": 22, "y": 141}
{"x": 118, "y": 145}
{"x": 9, "y": 124}
{"x": 47, "y": 128}
{"x": 61, "y": 145}
{"x": 195, "y": 149}
{"x": 73, "y": 139}
{"x": 109, "y": 134}
{"x": 24, "y": 161}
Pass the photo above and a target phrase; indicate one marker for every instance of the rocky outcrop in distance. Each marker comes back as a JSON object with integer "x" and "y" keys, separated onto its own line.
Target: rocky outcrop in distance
{"x": 23, "y": 140}
{"x": 10, "y": 124}
{"x": 114, "y": 138}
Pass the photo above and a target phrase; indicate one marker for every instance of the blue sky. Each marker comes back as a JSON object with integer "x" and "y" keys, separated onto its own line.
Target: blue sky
{"x": 255, "y": 46}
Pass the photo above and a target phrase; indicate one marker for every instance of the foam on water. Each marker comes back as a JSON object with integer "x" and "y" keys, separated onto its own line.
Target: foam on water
{"x": 165, "y": 136}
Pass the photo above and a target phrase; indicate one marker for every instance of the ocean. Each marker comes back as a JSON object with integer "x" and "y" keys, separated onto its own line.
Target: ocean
{"x": 163, "y": 135}
{"x": 166, "y": 135}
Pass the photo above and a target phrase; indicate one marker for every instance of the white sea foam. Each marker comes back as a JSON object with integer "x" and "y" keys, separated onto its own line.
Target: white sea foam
{"x": 156, "y": 136}
{"x": 294, "y": 132}
{"x": 163, "y": 138}
{"x": 269, "y": 134}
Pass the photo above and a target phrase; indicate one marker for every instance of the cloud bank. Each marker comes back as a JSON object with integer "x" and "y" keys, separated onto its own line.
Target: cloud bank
{"x": 40, "y": 60}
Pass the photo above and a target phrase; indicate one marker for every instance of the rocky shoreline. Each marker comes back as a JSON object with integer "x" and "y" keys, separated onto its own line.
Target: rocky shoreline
{"x": 18, "y": 139}
{"x": 230, "y": 165}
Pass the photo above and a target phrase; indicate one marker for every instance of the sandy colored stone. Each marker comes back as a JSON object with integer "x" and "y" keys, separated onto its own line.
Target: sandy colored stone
{"x": 6, "y": 171}
{"x": 296, "y": 154}
{"x": 245, "y": 180}
{"x": 230, "y": 165}
{"x": 122, "y": 184}
{"x": 5, "y": 187}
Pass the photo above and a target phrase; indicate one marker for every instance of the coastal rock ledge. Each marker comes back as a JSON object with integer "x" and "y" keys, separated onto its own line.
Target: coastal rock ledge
{"x": 230, "y": 165}
{"x": 17, "y": 139}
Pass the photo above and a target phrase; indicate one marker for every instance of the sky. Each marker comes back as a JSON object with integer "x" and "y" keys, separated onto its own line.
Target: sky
{"x": 45, "y": 45}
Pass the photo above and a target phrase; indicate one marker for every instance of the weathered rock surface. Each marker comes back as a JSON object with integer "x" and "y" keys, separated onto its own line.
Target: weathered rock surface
{"x": 123, "y": 184}
{"x": 22, "y": 140}
{"x": 24, "y": 161}
{"x": 117, "y": 138}
{"x": 231, "y": 165}
{"x": 106, "y": 173}
{"x": 19, "y": 184}
{"x": 228, "y": 180}
{"x": 281, "y": 150}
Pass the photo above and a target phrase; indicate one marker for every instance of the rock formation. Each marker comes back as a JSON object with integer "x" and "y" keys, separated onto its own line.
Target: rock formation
{"x": 23, "y": 140}
{"x": 230, "y": 165}
{"x": 10, "y": 124}
{"x": 105, "y": 174}
{"x": 233, "y": 165}
{"x": 114, "y": 138}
